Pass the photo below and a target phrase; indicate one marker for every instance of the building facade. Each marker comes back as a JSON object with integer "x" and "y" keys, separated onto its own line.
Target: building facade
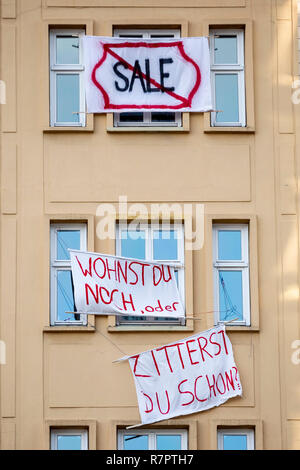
{"x": 76, "y": 180}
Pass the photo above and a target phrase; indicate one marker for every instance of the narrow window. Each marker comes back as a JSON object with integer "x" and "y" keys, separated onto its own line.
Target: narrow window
{"x": 228, "y": 77}
{"x": 231, "y": 273}
{"x": 67, "y": 100}
{"x": 63, "y": 237}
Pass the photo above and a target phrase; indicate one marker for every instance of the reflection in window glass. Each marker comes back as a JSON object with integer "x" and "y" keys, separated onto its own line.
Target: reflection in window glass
{"x": 67, "y": 97}
{"x": 67, "y": 239}
{"x": 227, "y": 97}
{"x": 131, "y": 117}
{"x": 230, "y": 295}
{"x": 165, "y": 245}
{"x": 67, "y": 50}
{"x": 168, "y": 442}
{"x": 135, "y": 442}
{"x": 133, "y": 244}
{"x": 226, "y": 50}
{"x": 229, "y": 245}
{"x": 163, "y": 117}
{"x": 235, "y": 442}
{"x": 65, "y": 299}
{"x": 65, "y": 442}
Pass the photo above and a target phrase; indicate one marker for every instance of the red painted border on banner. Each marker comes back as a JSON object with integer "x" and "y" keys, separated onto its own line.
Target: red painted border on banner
{"x": 186, "y": 102}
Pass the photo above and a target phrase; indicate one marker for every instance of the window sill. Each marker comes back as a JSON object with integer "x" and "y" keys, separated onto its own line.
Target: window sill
{"x": 68, "y": 129}
{"x": 147, "y": 329}
{"x": 69, "y": 329}
{"x": 185, "y": 127}
{"x": 243, "y": 130}
{"x": 240, "y": 328}
{"x": 147, "y": 129}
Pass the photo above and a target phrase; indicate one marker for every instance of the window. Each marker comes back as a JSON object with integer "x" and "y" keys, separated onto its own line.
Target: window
{"x": 67, "y": 101}
{"x": 64, "y": 236}
{"x": 231, "y": 273}
{"x": 154, "y": 439}
{"x": 150, "y": 119}
{"x": 227, "y": 77}
{"x": 236, "y": 439}
{"x": 69, "y": 439}
{"x": 153, "y": 242}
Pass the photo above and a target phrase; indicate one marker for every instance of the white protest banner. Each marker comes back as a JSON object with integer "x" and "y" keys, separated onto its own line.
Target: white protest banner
{"x": 188, "y": 376}
{"x": 147, "y": 74}
{"x": 106, "y": 284}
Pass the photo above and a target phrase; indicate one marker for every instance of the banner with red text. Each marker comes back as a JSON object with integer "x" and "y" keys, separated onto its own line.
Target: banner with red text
{"x": 187, "y": 376}
{"x": 147, "y": 74}
{"x": 106, "y": 284}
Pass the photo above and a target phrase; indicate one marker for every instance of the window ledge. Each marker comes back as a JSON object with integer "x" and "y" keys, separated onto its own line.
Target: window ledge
{"x": 69, "y": 329}
{"x": 148, "y": 329}
{"x": 147, "y": 129}
{"x": 68, "y": 129}
{"x": 247, "y": 130}
{"x": 240, "y": 328}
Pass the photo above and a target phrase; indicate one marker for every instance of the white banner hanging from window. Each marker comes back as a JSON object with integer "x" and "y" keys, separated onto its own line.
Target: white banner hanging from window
{"x": 187, "y": 376}
{"x": 111, "y": 285}
{"x": 147, "y": 74}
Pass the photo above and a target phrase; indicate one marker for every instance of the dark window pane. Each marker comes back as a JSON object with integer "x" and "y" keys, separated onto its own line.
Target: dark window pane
{"x": 163, "y": 117}
{"x": 131, "y": 117}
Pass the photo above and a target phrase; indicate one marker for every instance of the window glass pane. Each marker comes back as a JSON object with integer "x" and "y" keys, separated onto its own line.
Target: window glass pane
{"x": 165, "y": 245}
{"x": 163, "y": 117}
{"x": 135, "y": 442}
{"x": 65, "y": 299}
{"x": 230, "y": 295}
{"x": 229, "y": 245}
{"x": 67, "y": 50}
{"x": 227, "y": 99}
{"x": 131, "y": 117}
{"x": 226, "y": 50}
{"x": 130, "y": 36}
{"x": 67, "y": 239}
{"x": 168, "y": 442}
{"x": 69, "y": 442}
{"x": 235, "y": 442}
{"x": 161, "y": 36}
{"x": 67, "y": 97}
{"x": 133, "y": 244}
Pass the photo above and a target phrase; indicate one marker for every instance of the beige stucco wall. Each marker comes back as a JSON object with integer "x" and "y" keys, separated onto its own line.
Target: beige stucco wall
{"x": 51, "y": 175}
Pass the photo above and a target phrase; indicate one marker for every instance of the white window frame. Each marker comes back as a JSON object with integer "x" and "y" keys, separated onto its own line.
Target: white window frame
{"x": 238, "y": 69}
{"x": 149, "y": 228}
{"x": 58, "y": 265}
{"x": 66, "y": 69}
{"x": 233, "y": 265}
{"x": 55, "y": 432}
{"x": 152, "y": 433}
{"x": 236, "y": 431}
{"x": 146, "y": 34}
